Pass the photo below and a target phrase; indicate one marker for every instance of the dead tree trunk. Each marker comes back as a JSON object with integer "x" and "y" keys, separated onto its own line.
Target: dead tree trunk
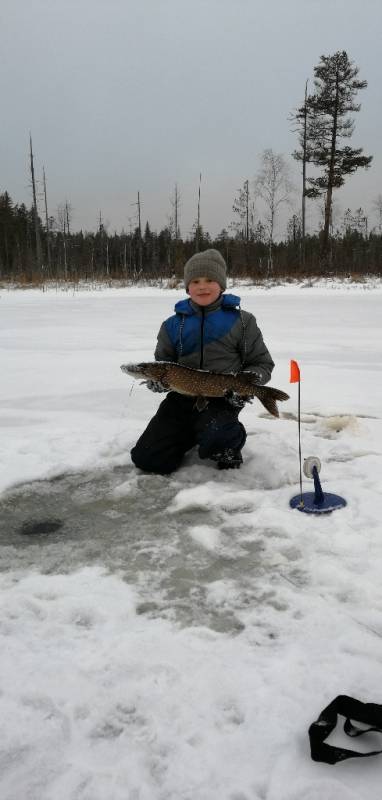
{"x": 35, "y": 211}
{"x": 197, "y": 238}
{"x": 47, "y": 225}
{"x": 140, "y": 235}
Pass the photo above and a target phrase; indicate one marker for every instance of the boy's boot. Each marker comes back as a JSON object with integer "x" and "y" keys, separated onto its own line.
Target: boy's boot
{"x": 228, "y": 459}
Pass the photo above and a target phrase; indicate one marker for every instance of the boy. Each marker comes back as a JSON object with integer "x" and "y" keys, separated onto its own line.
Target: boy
{"x": 208, "y": 331}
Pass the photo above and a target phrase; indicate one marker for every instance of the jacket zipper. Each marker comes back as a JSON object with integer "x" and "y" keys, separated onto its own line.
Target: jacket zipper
{"x": 201, "y": 341}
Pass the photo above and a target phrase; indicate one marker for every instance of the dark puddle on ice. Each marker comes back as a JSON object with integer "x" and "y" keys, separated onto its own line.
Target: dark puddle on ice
{"x": 119, "y": 519}
{"x": 41, "y": 527}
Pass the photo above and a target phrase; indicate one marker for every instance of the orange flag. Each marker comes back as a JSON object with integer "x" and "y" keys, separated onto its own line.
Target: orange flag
{"x": 294, "y": 372}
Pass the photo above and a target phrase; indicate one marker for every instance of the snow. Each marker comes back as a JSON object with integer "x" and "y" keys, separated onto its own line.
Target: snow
{"x": 174, "y": 638}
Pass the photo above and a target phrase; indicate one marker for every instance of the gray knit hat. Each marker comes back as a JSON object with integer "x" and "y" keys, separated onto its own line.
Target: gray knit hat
{"x": 209, "y": 264}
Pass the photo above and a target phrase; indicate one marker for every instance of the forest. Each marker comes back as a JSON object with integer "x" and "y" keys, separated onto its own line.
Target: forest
{"x": 36, "y": 248}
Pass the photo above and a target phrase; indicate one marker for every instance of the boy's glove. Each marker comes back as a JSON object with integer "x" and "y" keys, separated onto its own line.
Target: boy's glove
{"x": 229, "y": 459}
{"x": 256, "y": 375}
{"x": 156, "y": 386}
{"x": 236, "y": 400}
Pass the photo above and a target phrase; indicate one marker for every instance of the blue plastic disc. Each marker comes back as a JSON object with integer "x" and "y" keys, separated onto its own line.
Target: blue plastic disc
{"x": 329, "y": 503}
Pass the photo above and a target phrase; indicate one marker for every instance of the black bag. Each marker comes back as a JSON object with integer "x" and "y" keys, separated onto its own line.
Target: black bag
{"x": 352, "y": 710}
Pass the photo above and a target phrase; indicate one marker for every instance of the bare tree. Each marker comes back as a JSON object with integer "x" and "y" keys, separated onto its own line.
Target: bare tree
{"x": 35, "y": 210}
{"x": 244, "y": 207}
{"x": 294, "y": 229}
{"x": 197, "y": 229}
{"x": 103, "y": 226}
{"x": 68, "y": 216}
{"x": 273, "y": 185}
{"x": 64, "y": 219}
{"x": 140, "y": 233}
{"x": 355, "y": 223}
{"x": 175, "y": 216}
{"x": 377, "y": 206}
{"x": 174, "y": 221}
{"x": 47, "y": 225}
{"x": 132, "y": 265}
{"x": 61, "y": 219}
{"x": 140, "y": 257}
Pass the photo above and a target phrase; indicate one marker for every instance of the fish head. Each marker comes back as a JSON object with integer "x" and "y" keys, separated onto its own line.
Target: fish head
{"x": 152, "y": 370}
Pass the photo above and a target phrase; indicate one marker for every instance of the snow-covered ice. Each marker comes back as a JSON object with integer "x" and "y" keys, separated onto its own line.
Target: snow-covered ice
{"x": 172, "y": 638}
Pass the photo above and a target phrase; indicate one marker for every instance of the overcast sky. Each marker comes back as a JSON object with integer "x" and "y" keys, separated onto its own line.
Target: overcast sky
{"x": 128, "y": 95}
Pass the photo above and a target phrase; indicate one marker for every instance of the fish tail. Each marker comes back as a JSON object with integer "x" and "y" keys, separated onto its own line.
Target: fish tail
{"x": 270, "y": 397}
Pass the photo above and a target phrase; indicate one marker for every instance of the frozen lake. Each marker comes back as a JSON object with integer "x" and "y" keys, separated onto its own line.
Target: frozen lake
{"x": 174, "y": 637}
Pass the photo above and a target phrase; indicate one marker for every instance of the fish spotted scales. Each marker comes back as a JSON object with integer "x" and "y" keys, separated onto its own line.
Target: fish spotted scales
{"x": 202, "y": 383}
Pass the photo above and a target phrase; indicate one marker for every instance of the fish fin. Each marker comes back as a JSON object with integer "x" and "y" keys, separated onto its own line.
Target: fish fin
{"x": 271, "y": 395}
{"x": 163, "y": 382}
{"x": 270, "y": 404}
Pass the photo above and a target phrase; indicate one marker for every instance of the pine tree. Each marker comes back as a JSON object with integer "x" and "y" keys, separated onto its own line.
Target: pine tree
{"x": 6, "y": 231}
{"x": 336, "y": 86}
{"x": 300, "y": 119}
{"x": 244, "y": 207}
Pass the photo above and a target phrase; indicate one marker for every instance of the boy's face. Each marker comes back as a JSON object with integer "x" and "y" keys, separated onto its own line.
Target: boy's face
{"x": 203, "y": 291}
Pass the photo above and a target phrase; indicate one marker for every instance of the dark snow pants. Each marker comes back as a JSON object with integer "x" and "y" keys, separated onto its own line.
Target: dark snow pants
{"x": 178, "y": 426}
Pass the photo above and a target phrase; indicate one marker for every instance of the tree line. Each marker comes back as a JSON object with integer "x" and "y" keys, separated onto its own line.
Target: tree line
{"x": 32, "y": 249}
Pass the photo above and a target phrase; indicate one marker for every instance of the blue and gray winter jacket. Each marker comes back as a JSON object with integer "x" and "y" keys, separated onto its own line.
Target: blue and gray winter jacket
{"x": 219, "y": 337}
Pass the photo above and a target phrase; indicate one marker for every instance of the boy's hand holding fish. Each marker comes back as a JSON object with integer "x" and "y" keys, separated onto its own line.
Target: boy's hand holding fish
{"x": 155, "y": 386}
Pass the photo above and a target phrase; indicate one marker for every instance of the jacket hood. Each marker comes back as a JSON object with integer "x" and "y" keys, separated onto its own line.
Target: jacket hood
{"x": 225, "y": 301}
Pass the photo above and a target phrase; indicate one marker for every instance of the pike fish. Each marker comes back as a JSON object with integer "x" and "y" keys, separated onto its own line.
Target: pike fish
{"x": 200, "y": 383}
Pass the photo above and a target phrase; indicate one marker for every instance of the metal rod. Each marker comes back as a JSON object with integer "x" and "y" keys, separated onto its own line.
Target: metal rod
{"x": 299, "y": 439}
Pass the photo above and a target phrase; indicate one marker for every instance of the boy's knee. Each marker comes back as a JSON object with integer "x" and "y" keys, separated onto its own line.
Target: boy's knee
{"x": 148, "y": 462}
{"x": 232, "y": 435}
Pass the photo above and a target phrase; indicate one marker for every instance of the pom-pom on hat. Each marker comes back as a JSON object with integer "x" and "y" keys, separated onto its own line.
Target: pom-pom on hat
{"x": 209, "y": 264}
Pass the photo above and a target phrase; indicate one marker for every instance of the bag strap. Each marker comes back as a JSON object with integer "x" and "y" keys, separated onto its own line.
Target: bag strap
{"x": 353, "y": 710}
